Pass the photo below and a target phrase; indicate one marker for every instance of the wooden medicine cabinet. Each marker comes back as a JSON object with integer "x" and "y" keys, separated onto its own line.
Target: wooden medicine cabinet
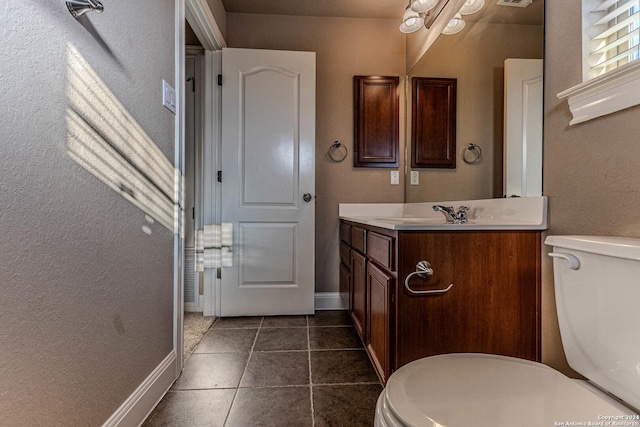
{"x": 376, "y": 121}
{"x": 433, "y": 123}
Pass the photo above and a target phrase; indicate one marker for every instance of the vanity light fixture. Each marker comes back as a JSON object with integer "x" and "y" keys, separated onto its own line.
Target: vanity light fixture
{"x": 423, "y": 6}
{"x": 411, "y": 20}
{"x": 471, "y": 6}
{"x": 454, "y": 26}
{"x": 416, "y": 13}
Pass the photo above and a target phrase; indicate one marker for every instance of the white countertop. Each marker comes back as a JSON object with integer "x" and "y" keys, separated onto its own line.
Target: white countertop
{"x": 524, "y": 213}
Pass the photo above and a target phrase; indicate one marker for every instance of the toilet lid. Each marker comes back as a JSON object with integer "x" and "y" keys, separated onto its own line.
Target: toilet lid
{"x": 461, "y": 390}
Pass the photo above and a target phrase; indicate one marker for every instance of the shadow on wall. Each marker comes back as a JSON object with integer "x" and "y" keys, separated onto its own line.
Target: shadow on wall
{"x": 105, "y": 139}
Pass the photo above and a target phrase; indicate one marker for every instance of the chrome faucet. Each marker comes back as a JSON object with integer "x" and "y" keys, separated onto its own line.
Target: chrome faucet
{"x": 448, "y": 212}
{"x": 452, "y": 216}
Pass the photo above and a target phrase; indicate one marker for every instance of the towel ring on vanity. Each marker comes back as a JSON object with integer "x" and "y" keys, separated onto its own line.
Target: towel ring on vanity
{"x": 476, "y": 154}
{"x": 336, "y": 145}
{"x": 423, "y": 269}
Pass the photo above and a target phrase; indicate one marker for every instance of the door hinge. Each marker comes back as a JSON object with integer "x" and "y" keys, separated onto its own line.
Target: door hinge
{"x": 219, "y": 273}
{"x": 219, "y": 176}
{"x": 193, "y": 213}
{"x": 219, "y": 79}
{"x": 393, "y": 299}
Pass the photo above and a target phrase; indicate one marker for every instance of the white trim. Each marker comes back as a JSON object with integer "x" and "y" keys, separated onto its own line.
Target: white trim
{"x": 328, "y": 301}
{"x": 144, "y": 399}
{"x": 617, "y": 90}
{"x": 211, "y": 164}
{"x": 204, "y": 25}
{"x": 178, "y": 262}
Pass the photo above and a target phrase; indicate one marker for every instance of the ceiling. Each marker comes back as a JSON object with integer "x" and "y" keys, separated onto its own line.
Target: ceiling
{"x": 385, "y": 9}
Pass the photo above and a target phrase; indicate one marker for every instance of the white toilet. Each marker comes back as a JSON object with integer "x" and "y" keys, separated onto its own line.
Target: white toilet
{"x": 597, "y": 286}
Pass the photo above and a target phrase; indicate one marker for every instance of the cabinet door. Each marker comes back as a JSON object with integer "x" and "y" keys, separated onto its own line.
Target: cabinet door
{"x": 493, "y": 306}
{"x": 379, "y": 288}
{"x": 345, "y": 285}
{"x": 433, "y": 123}
{"x": 376, "y": 121}
{"x": 358, "y": 291}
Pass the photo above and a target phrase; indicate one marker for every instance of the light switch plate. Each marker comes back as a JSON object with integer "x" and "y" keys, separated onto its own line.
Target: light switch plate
{"x": 395, "y": 177}
{"x": 415, "y": 178}
{"x": 168, "y": 96}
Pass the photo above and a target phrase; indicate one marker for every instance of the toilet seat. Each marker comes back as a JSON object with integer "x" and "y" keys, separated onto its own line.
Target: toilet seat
{"x": 470, "y": 389}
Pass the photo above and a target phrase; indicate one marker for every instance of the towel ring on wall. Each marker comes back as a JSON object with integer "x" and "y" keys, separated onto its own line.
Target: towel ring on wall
{"x": 332, "y": 152}
{"x": 476, "y": 154}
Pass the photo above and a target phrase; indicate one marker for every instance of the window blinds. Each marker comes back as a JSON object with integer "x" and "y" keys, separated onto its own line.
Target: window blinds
{"x": 617, "y": 35}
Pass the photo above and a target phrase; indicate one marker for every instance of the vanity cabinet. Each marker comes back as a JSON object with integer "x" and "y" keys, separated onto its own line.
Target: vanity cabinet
{"x": 358, "y": 292}
{"x": 492, "y": 307}
{"x": 379, "y": 308}
{"x": 371, "y": 272}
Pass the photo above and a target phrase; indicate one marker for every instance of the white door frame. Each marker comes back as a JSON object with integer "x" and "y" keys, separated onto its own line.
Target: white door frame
{"x": 203, "y": 23}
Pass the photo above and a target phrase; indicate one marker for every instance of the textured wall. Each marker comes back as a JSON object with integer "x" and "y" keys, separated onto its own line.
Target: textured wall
{"x": 591, "y": 172}
{"x": 344, "y": 48}
{"x": 87, "y": 295}
{"x": 475, "y": 57}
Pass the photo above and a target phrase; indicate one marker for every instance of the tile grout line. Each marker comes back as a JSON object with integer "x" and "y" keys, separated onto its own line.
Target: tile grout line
{"x": 313, "y": 415}
{"x": 235, "y": 395}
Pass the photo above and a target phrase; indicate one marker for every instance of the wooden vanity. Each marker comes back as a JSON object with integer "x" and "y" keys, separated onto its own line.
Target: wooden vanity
{"x": 492, "y": 307}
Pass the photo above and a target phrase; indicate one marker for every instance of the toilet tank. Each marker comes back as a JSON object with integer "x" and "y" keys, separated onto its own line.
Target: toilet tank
{"x": 597, "y": 287}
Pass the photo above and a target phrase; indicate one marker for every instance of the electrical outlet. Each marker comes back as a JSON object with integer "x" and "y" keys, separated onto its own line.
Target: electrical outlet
{"x": 415, "y": 178}
{"x": 395, "y": 177}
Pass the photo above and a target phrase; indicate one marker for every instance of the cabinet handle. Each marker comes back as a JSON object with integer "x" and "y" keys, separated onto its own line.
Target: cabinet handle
{"x": 423, "y": 269}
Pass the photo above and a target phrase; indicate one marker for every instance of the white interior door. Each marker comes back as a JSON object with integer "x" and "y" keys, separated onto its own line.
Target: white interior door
{"x": 523, "y": 127}
{"x": 268, "y": 165}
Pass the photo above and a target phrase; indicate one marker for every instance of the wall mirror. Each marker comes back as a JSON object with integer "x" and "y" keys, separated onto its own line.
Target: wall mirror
{"x": 475, "y": 57}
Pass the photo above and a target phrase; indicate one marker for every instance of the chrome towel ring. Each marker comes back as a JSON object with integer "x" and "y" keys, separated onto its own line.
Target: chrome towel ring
{"x": 332, "y": 152}
{"x": 471, "y": 154}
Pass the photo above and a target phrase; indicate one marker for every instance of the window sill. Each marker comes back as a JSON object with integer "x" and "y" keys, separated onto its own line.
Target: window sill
{"x": 606, "y": 94}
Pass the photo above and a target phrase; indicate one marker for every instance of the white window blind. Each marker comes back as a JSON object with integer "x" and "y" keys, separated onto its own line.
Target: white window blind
{"x": 614, "y": 35}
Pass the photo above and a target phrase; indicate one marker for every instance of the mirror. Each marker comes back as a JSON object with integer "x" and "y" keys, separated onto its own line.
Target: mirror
{"x": 476, "y": 57}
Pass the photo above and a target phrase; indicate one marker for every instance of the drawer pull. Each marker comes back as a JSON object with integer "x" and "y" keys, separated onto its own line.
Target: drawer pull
{"x": 423, "y": 269}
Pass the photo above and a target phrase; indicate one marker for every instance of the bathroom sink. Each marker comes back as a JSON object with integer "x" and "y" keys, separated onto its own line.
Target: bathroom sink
{"x": 412, "y": 220}
{"x": 521, "y": 213}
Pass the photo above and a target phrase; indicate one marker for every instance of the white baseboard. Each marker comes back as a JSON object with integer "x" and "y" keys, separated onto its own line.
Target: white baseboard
{"x": 329, "y": 301}
{"x": 139, "y": 405}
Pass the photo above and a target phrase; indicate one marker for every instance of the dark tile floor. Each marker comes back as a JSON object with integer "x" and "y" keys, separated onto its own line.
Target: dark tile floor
{"x": 274, "y": 371}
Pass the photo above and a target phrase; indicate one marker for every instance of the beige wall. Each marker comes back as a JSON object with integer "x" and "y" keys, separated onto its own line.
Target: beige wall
{"x": 220, "y": 15}
{"x": 344, "y": 48}
{"x": 591, "y": 172}
{"x": 475, "y": 57}
{"x": 87, "y": 295}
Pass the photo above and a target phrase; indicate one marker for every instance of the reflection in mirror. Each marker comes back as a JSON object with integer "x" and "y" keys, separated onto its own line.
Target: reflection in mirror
{"x": 475, "y": 57}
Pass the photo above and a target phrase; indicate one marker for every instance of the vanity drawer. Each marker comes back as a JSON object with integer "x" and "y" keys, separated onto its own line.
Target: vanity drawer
{"x": 344, "y": 253}
{"x": 345, "y": 233}
{"x": 380, "y": 249}
{"x": 358, "y": 238}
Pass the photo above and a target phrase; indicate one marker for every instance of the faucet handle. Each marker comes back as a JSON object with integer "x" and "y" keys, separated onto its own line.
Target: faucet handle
{"x": 461, "y": 215}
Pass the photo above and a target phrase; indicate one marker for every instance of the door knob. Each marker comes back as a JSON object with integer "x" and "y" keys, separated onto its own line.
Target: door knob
{"x": 306, "y": 197}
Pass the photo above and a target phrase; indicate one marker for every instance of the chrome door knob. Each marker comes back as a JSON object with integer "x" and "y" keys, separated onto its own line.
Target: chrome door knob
{"x": 306, "y": 197}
